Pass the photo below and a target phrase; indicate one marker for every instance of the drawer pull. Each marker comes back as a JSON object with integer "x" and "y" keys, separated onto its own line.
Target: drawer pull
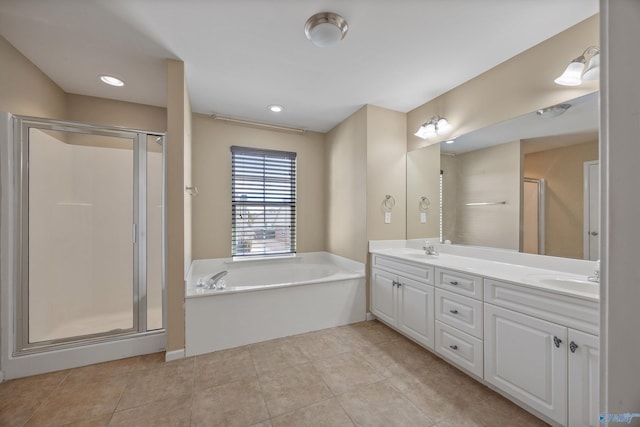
{"x": 557, "y": 341}
{"x": 399, "y": 284}
{"x": 454, "y": 283}
{"x": 453, "y": 311}
{"x": 573, "y": 346}
{"x": 453, "y": 347}
{"x": 394, "y": 283}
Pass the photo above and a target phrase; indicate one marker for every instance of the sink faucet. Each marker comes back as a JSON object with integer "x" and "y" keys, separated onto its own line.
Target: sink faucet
{"x": 430, "y": 249}
{"x": 212, "y": 282}
{"x": 596, "y": 274}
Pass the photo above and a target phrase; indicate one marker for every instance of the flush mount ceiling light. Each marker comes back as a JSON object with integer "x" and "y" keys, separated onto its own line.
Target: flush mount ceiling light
{"x": 585, "y": 66}
{"x": 326, "y": 29}
{"x": 433, "y": 127}
{"x": 553, "y": 111}
{"x": 274, "y": 108}
{"x": 111, "y": 81}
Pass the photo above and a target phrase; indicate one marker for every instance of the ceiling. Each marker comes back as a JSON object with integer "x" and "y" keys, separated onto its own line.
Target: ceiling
{"x": 242, "y": 55}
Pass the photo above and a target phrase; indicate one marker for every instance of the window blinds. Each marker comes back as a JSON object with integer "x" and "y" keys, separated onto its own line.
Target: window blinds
{"x": 263, "y": 202}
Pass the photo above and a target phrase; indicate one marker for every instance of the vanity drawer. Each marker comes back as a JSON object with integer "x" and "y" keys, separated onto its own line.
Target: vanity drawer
{"x": 460, "y": 283}
{"x": 421, "y": 273}
{"x": 460, "y": 312}
{"x": 565, "y": 310}
{"x": 460, "y": 348}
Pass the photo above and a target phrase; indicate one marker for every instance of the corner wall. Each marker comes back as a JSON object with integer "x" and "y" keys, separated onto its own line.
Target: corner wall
{"x": 24, "y": 89}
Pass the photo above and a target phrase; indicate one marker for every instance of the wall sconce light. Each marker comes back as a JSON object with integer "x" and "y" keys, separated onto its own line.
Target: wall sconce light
{"x": 585, "y": 66}
{"x": 435, "y": 126}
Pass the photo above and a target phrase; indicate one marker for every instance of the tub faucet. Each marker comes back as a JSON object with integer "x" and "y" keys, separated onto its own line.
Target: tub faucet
{"x": 212, "y": 281}
{"x": 430, "y": 249}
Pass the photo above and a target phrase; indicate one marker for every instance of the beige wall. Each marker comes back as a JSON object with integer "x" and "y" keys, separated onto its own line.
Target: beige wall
{"x": 562, "y": 170}
{"x": 175, "y": 210}
{"x": 423, "y": 171}
{"x": 386, "y": 172}
{"x": 518, "y": 86}
{"x": 24, "y": 89}
{"x": 489, "y": 175}
{"x": 346, "y": 166}
{"x": 89, "y": 109}
{"x": 212, "y": 141}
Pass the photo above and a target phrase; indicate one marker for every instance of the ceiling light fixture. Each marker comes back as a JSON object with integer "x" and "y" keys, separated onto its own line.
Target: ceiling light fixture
{"x": 585, "y": 66}
{"x": 326, "y": 29}
{"x": 111, "y": 81}
{"x": 553, "y": 111}
{"x": 433, "y": 127}
{"x": 450, "y": 141}
{"x": 274, "y": 108}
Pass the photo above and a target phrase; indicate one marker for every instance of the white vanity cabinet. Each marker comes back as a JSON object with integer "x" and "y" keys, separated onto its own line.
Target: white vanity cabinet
{"x": 535, "y": 355}
{"x": 402, "y": 297}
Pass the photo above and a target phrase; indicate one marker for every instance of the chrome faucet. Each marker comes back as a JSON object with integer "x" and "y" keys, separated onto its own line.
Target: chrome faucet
{"x": 212, "y": 282}
{"x": 596, "y": 274}
{"x": 429, "y": 249}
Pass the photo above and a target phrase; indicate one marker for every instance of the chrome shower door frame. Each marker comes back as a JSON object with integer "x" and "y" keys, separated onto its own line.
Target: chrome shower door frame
{"x": 138, "y": 138}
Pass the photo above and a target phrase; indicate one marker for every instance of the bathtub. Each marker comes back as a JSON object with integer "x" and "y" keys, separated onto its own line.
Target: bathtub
{"x": 270, "y": 298}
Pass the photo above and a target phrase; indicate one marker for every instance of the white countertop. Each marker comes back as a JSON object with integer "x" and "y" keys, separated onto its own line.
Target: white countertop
{"x": 559, "y": 282}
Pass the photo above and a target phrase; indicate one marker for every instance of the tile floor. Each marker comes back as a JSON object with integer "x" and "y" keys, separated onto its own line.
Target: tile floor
{"x": 364, "y": 374}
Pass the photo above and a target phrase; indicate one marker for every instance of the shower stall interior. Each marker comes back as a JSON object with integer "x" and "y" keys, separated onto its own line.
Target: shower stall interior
{"x": 82, "y": 243}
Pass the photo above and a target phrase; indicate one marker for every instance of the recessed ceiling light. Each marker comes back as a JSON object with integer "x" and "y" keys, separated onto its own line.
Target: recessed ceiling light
{"x": 275, "y": 108}
{"x": 450, "y": 141}
{"x": 112, "y": 81}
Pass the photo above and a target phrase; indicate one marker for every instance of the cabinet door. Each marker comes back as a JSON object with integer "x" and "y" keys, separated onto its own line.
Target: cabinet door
{"x": 415, "y": 311}
{"x": 383, "y": 295}
{"x": 527, "y": 358}
{"x": 584, "y": 379}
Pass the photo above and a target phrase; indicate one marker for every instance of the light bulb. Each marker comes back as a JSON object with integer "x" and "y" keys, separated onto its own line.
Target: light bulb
{"x": 443, "y": 126}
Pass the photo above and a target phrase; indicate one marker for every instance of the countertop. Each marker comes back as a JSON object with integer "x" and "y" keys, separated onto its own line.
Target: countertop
{"x": 559, "y": 282}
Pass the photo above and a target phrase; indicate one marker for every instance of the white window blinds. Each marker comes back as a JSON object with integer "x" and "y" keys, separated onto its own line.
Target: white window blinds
{"x": 263, "y": 202}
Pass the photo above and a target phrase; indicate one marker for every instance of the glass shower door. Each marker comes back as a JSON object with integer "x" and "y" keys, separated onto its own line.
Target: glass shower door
{"x": 80, "y": 252}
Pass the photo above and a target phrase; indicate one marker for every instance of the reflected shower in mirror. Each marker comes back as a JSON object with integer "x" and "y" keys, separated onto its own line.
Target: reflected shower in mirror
{"x": 529, "y": 184}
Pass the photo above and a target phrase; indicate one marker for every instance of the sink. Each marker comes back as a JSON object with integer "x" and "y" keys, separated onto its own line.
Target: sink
{"x": 578, "y": 283}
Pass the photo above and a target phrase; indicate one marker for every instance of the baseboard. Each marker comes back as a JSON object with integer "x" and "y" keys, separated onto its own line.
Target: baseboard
{"x": 370, "y": 316}
{"x": 174, "y": 355}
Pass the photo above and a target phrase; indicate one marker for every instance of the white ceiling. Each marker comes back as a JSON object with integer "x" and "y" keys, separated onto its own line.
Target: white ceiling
{"x": 242, "y": 55}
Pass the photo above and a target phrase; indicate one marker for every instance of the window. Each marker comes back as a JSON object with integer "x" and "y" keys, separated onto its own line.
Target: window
{"x": 263, "y": 202}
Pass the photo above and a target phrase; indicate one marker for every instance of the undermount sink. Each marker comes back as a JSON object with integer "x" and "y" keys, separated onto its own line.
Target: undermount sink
{"x": 566, "y": 282}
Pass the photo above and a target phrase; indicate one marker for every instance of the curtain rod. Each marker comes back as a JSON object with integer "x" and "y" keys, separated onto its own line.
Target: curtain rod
{"x": 256, "y": 124}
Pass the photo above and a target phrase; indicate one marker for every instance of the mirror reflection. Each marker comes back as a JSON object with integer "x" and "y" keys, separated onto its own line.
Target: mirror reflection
{"x": 528, "y": 184}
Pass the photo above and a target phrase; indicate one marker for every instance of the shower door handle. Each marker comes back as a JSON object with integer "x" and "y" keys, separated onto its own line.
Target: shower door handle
{"x": 134, "y": 233}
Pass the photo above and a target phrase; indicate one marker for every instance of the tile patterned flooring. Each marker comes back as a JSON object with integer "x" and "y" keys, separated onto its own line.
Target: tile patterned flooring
{"x": 364, "y": 374}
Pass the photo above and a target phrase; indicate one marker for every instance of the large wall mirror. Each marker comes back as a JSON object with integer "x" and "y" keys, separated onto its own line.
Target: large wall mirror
{"x": 529, "y": 184}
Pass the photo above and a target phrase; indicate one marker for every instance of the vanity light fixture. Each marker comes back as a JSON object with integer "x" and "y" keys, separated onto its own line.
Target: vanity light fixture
{"x": 433, "y": 127}
{"x": 585, "y": 66}
{"x": 111, "y": 80}
{"x": 326, "y": 29}
{"x": 274, "y": 108}
{"x": 553, "y": 111}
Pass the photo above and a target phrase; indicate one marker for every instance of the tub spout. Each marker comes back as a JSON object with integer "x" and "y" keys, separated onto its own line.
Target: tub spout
{"x": 212, "y": 281}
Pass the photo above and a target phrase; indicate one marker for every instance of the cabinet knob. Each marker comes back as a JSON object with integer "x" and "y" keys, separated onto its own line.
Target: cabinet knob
{"x": 594, "y": 233}
{"x": 454, "y": 283}
{"x": 557, "y": 341}
{"x": 573, "y": 346}
{"x": 399, "y": 284}
{"x": 453, "y": 311}
{"x": 453, "y": 347}
{"x": 394, "y": 283}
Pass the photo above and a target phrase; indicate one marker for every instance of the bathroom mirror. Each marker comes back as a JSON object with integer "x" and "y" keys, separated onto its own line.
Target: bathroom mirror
{"x": 529, "y": 184}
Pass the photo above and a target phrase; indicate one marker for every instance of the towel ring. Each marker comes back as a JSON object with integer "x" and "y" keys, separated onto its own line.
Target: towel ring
{"x": 389, "y": 202}
{"x": 424, "y": 203}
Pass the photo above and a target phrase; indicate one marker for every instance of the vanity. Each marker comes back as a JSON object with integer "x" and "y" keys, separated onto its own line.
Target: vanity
{"x": 526, "y": 331}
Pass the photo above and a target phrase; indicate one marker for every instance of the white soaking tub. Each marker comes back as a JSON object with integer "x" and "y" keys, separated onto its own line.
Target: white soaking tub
{"x": 265, "y": 299}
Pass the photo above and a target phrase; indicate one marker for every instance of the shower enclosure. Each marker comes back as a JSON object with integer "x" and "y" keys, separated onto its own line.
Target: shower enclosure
{"x": 82, "y": 242}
